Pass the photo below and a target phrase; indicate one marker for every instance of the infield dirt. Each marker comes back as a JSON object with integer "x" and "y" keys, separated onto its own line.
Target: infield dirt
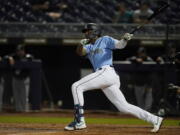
{"x": 92, "y": 129}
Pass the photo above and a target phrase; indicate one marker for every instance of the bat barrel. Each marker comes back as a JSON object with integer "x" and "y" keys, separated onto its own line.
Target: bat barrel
{"x": 151, "y": 17}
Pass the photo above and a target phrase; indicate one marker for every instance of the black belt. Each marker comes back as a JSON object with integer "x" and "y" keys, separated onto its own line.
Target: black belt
{"x": 109, "y": 65}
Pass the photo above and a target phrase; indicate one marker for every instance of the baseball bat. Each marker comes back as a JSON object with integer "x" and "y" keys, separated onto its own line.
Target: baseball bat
{"x": 158, "y": 11}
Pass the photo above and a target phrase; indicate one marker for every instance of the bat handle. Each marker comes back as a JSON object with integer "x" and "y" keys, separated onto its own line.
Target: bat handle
{"x": 135, "y": 29}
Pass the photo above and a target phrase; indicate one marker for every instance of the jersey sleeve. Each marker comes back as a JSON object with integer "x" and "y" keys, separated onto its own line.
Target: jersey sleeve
{"x": 110, "y": 42}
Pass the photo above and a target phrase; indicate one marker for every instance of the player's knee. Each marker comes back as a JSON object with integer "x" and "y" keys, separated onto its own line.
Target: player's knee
{"x": 75, "y": 86}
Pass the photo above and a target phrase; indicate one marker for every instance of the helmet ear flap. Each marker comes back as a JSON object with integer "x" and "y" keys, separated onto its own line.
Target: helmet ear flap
{"x": 96, "y": 31}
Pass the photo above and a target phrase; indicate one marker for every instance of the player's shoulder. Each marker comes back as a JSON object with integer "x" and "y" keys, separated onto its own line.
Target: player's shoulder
{"x": 106, "y": 37}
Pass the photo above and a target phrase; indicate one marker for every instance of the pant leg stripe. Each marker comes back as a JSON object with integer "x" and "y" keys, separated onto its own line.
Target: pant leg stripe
{"x": 88, "y": 81}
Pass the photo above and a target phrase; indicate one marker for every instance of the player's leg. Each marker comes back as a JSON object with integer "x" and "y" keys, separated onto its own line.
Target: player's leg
{"x": 1, "y": 94}
{"x": 93, "y": 81}
{"x": 27, "y": 86}
{"x": 117, "y": 98}
{"x": 148, "y": 98}
{"x": 139, "y": 93}
{"x": 18, "y": 95}
{"x": 97, "y": 80}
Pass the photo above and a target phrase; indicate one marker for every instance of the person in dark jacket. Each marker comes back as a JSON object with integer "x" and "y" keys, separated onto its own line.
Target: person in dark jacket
{"x": 142, "y": 80}
{"x": 21, "y": 80}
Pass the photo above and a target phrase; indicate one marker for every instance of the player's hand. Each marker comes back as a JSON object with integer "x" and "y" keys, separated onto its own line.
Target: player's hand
{"x": 127, "y": 36}
{"x": 84, "y": 41}
{"x": 11, "y": 60}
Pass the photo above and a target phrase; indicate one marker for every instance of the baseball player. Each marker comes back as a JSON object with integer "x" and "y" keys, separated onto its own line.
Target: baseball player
{"x": 99, "y": 50}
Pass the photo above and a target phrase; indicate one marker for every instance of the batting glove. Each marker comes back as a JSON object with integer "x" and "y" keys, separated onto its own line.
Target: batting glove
{"x": 127, "y": 36}
{"x": 84, "y": 41}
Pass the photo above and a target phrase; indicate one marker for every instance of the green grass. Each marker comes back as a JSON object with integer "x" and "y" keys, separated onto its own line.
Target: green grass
{"x": 62, "y": 120}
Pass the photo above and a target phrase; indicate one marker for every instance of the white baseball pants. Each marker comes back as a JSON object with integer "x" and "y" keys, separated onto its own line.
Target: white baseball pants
{"x": 107, "y": 80}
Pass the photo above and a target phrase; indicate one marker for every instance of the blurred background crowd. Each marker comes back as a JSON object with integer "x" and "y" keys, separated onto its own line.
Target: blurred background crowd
{"x": 99, "y": 11}
{"x": 38, "y": 63}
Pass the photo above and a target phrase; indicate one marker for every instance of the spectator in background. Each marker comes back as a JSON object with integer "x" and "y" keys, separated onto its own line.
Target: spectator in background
{"x": 123, "y": 15}
{"x": 140, "y": 15}
{"x": 21, "y": 81}
{"x": 1, "y": 88}
{"x": 171, "y": 93}
{"x": 53, "y": 9}
{"x": 169, "y": 56}
{"x": 142, "y": 81}
{"x": 177, "y": 60}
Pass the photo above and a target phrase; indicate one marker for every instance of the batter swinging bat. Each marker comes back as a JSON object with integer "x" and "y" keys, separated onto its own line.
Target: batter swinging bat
{"x": 158, "y": 11}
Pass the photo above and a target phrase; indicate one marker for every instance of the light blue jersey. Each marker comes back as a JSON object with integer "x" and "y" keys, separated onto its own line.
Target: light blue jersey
{"x": 100, "y": 53}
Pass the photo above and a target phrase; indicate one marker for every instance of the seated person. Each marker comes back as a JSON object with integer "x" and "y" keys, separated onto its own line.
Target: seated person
{"x": 123, "y": 15}
{"x": 140, "y": 15}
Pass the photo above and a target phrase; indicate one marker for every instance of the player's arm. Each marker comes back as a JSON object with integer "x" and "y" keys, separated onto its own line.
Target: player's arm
{"x": 120, "y": 44}
{"x": 81, "y": 50}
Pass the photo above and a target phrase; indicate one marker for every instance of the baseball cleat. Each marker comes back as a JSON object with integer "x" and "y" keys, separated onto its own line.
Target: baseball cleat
{"x": 157, "y": 125}
{"x": 75, "y": 126}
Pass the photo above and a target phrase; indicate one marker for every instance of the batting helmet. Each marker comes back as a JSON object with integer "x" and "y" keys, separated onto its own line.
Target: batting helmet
{"x": 96, "y": 31}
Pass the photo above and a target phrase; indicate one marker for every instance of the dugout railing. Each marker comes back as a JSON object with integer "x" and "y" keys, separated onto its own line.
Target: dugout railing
{"x": 73, "y": 31}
